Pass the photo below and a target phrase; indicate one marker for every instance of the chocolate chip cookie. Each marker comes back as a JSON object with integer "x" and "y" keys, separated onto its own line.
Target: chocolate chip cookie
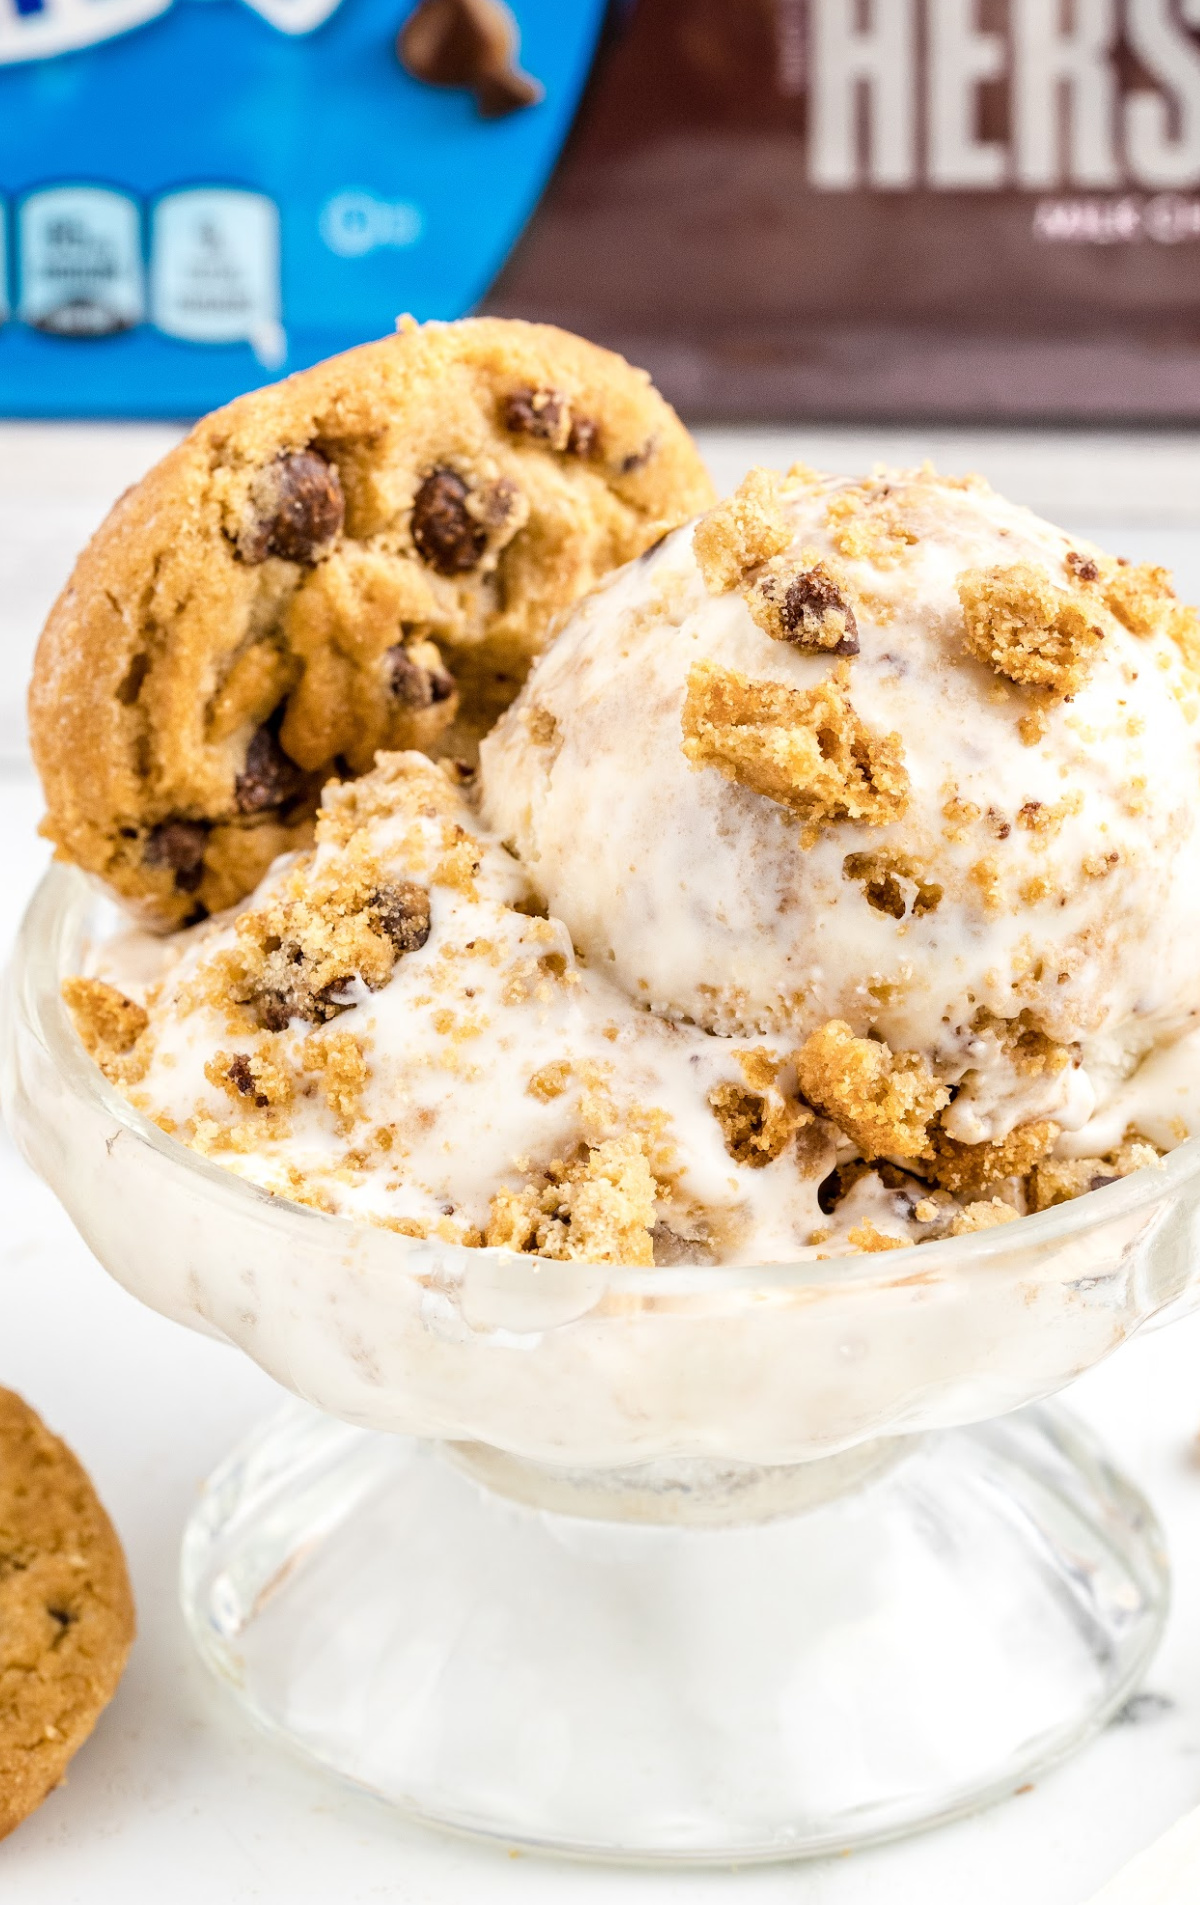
{"x": 367, "y": 555}
{"x": 66, "y": 1610}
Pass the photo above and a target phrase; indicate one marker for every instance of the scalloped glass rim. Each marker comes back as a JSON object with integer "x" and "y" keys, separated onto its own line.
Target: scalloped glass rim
{"x": 57, "y": 917}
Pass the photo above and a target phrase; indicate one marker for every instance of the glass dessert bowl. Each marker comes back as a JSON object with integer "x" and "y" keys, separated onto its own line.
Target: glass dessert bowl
{"x": 691, "y": 1563}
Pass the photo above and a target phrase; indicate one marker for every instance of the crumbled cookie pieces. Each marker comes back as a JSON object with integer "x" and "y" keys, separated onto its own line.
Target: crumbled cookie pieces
{"x": 254, "y": 1080}
{"x": 804, "y": 604}
{"x": 867, "y": 523}
{"x": 871, "y": 1241}
{"x": 338, "y": 1060}
{"x": 108, "y": 1023}
{"x": 885, "y": 1101}
{"x": 986, "y": 1214}
{"x": 807, "y": 749}
{"x": 757, "y": 1125}
{"x": 885, "y": 877}
{"x": 597, "y": 1207}
{"x": 970, "y": 1170}
{"x": 1021, "y": 624}
{"x": 297, "y": 955}
{"x": 1058, "y": 1180}
{"x": 746, "y": 529}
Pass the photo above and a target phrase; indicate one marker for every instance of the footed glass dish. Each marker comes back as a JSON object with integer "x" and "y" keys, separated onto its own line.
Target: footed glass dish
{"x": 692, "y": 1564}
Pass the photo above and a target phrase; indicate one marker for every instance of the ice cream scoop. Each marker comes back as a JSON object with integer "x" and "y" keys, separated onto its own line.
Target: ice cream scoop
{"x": 891, "y": 754}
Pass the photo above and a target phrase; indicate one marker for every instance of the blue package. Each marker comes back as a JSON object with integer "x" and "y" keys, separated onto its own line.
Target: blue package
{"x": 201, "y": 195}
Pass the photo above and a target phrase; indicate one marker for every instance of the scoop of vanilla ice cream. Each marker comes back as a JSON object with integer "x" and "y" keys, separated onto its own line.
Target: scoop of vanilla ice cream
{"x": 895, "y": 753}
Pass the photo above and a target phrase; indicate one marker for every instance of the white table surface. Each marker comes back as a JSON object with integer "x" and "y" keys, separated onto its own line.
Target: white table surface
{"x": 175, "y": 1798}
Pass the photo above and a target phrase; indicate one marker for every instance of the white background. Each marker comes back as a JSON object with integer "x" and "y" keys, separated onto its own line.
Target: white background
{"x": 175, "y": 1799}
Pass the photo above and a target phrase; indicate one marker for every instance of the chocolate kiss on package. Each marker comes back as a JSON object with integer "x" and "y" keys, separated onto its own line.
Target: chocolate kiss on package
{"x": 785, "y": 208}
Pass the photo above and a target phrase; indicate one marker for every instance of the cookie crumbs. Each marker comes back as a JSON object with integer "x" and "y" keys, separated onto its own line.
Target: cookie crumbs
{"x": 108, "y": 1023}
{"x": 804, "y": 604}
{"x": 984, "y": 1215}
{"x": 542, "y": 726}
{"x": 339, "y": 1062}
{"x": 866, "y": 525}
{"x": 760, "y": 1067}
{"x": 550, "y": 1081}
{"x": 1045, "y": 821}
{"x": 459, "y": 864}
{"x": 984, "y": 875}
{"x": 807, "y": 749}
{"x": 870, "y": 1241}
{"x": 971, "y": 1169}
{"x": 960, "y": 816}
{"x": 1031, "y": 1052}
{"x": 596, "y": 1208}
{"x": 880, "y": 875}
{"x": 1033, "y": 727}
{"x": 884, "y": 1101}
{"x": 1058, "y": 1180}
{"x": 1082, "y": 568}
{"x": 1018, "y": 622}
{"x": 1141, "y": 595}
{"x": 744, "y": 530}
{"x": 757, "y": 1127}
{"x": 253, "y": 1080}
{"x": 296, "y": 955}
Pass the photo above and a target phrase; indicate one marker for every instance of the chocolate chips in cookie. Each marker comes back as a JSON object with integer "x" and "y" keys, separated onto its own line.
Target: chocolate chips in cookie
{"x": 296, "y": 510}
{"x": 367, "y": 556}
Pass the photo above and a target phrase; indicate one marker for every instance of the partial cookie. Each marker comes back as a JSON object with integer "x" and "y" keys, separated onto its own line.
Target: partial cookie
{"x": 368, "y": 555}
{"x": 66, "y": 1610}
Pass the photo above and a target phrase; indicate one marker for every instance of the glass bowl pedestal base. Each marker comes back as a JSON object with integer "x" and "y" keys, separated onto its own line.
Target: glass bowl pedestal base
{"x": 688, "y": 1661}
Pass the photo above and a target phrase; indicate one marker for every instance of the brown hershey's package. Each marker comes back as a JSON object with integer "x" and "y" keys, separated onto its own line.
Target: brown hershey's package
{"x": 973, "y": 209}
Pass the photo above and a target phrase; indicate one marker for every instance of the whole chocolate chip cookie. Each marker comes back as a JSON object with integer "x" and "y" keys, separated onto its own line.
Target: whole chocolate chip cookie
{"x": 66, "y": 1610}
{"x": 368, "y": 555}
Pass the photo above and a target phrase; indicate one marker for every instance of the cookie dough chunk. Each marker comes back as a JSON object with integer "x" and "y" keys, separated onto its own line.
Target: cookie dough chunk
{"x": 367, "y": 555}
{"x": 66, "y": 1610}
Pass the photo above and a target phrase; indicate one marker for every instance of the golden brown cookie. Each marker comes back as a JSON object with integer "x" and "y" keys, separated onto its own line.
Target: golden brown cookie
{"x": 66, "y": 1610}
{"x": 367, "y": 555}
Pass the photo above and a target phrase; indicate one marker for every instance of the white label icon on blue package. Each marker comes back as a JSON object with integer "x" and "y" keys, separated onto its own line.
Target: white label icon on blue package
{"x": 214, "y": 270}
{"x": 38, "y": 29}
{"x": 80, "y": 261}
{"x": 354, "y": 223}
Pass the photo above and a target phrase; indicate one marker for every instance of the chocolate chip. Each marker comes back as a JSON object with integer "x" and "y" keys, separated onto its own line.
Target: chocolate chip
{"x": 638, "y": 459}
{"x": 537, "y": 413}
{"x": 401, "y": 913}
{"x": 447, "y": 536}
{"x": 180, "y": 845}
{"x": 468, "y": 43}
{"x": 299, "y": 510}
{"x": 412, "y": 685}
{"x": 1082, "y": 567}
{"x": 1097, "y": 1183}
{"x": 270, "y": 778}
{"x": 808, "y": 600}
{"x": 131, "y": 684}
{"x": 582, "y": 437}
{"x": 239, "y": 1074}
